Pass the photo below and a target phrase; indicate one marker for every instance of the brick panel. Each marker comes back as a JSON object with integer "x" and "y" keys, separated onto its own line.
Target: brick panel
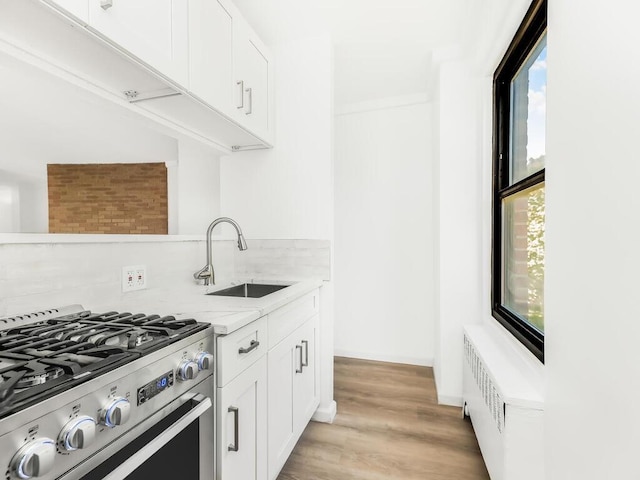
{"x": 108, "y": 198}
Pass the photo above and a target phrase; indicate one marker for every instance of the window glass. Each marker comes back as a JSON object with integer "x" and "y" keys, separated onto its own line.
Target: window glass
{"x": 517, "y": 255}
{"x": 523, "y": 255}
{"x": 528, "y": 109}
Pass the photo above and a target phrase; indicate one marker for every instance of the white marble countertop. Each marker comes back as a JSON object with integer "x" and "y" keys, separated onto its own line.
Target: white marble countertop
{"x": 226, "y": 314}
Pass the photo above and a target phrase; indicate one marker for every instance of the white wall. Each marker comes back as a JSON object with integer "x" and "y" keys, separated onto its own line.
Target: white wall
{"x": 435, "y": 212}
{"x": 23, "y": 203}
{"x": 286, "y": 192}
{"x": 592, "y": 425}
{"x": 197, "y": 194}
{"x": 33, "y": 206}
{"x": 44, "y": 120}
{"x": 592, "y": 368}
{"x": 463, "y": 122}
{"x": 383, "y": 235}
{"x": 459, "y": 227}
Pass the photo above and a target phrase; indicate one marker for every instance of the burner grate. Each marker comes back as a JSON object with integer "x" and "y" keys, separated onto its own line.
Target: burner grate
{"x": 42, "y": 358}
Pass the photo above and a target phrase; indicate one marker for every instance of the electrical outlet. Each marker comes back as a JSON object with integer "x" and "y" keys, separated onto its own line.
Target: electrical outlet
{"x": 134, "y": 277}
{"x": 140, "y": 279}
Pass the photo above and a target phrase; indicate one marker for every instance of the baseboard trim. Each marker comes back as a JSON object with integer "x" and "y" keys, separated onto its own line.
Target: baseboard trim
{"x": 451, "y": 400}
{"x": 422, "y": 362}
{"x": 326, "y": 414}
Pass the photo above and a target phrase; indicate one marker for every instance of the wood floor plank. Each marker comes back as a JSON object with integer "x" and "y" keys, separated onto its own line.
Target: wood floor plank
{"x": 389, "y": 427}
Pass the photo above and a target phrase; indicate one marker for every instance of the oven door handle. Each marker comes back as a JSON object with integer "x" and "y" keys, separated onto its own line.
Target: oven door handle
{"x": 126, "y": 468}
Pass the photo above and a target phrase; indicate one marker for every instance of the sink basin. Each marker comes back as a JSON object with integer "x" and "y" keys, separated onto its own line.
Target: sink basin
{"x": 248, "y": 290}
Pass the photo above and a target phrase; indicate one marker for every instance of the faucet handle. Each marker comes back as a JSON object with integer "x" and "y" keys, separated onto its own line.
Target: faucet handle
{"x": 205, "y": 273}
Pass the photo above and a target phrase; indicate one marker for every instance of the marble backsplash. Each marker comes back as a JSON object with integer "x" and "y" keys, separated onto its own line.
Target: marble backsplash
{"x": 44, "y": 275}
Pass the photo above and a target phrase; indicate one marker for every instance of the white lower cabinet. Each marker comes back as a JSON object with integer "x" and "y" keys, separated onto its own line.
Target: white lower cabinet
{"x": 305, "y": 394}
{"x": 293, "y": 393}
{"x": 242, "y": 425}
{"x": 267, "y": 390}
{"x": 283, "y": 363}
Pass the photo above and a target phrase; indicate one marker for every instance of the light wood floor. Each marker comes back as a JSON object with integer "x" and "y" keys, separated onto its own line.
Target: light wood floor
{"x": 389, "y": 427}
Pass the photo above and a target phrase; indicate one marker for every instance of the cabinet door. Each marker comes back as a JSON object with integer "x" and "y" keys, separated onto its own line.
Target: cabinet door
{"x": 252, "y": 80}
{"x": 305, "y": 393}
{"x": 77, "y": 8}
{"x": 293, "y": 391}
{"x": 154, "y": 31}
{"x": 242, "y": 426}
{"x": 283, "y": 361}
{"x": 211, "y": 53}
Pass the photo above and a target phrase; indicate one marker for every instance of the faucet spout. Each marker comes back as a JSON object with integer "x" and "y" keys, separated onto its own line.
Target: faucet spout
{"x": 206, "y": 273}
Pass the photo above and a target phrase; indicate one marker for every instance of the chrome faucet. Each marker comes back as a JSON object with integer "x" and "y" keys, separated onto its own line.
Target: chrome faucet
{"x": 206, "y": 272}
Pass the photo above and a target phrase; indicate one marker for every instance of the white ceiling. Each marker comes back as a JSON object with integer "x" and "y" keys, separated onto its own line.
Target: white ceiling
{"x": 382, "y": 47}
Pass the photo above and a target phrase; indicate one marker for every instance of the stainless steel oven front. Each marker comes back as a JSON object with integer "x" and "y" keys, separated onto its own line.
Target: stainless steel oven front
{"x": 175, "y": 443}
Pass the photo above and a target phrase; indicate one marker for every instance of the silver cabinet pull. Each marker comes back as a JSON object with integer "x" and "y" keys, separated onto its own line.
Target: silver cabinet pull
{"x": 250, "y": 92}
{"x": 106, "y": 4}
{"x": 299, "y": 347}
{"x": 240, "y": 83}
{"x": 236, "y": 421}
{"x": 306, "y": 353}
{"x": 252, "y": 346}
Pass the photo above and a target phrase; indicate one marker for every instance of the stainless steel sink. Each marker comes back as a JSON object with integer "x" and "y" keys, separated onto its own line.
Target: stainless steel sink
{"x": 248, "y": 290}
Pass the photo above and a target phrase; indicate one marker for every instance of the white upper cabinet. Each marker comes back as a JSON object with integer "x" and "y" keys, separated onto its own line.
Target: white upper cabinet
{"x": 252, "y": 69}
{"x": 76, "y": 8}
{"x": 207, "y": 73}
{"x": 154, "y": 31}
{"x": 230, "y": 68}
{"x": 211, "y": 53}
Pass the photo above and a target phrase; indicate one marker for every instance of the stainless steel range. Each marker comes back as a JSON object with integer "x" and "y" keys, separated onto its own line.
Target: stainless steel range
{"x": 106, "y": 396}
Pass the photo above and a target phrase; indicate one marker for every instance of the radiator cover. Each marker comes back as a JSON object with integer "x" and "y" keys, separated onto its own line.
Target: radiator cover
{"x": 504, "y": 399}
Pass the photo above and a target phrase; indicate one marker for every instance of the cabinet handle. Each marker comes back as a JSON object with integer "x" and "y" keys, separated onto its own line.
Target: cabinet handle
{"x": 299, "y": 347}
{"x": 252, "y": 346}
{"x": 241, "y": 84}
{"x": 306, "y": 353}
{"x": 250, "y": 92}
{"x": 236, "y": 420}
{"x": 106, "y": 4}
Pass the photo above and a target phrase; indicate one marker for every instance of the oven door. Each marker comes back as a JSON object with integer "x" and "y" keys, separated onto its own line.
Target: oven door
{"x": 178, "y": 445}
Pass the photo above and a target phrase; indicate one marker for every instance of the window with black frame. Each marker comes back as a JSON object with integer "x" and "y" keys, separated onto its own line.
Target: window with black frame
{"x": 520, "y": 84}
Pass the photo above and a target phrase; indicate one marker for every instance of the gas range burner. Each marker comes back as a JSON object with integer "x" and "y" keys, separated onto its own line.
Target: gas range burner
{"x": 137, "y": 333}
{"x": 26, "y": 379}
{"x": 45, "y": 357}
{"x": 33, "y": 379}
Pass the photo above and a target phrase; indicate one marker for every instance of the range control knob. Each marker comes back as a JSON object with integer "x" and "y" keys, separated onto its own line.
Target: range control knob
{"x": 188, "y": 370}
{"x": 204, "y": 360}
{"x": 116, "y": 412}
{"x": 35, "y": 459}
{"x": 78, "y": 433}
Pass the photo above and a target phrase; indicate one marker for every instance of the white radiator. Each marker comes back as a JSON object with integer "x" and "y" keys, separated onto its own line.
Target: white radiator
{"x": 503, "y": 397}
